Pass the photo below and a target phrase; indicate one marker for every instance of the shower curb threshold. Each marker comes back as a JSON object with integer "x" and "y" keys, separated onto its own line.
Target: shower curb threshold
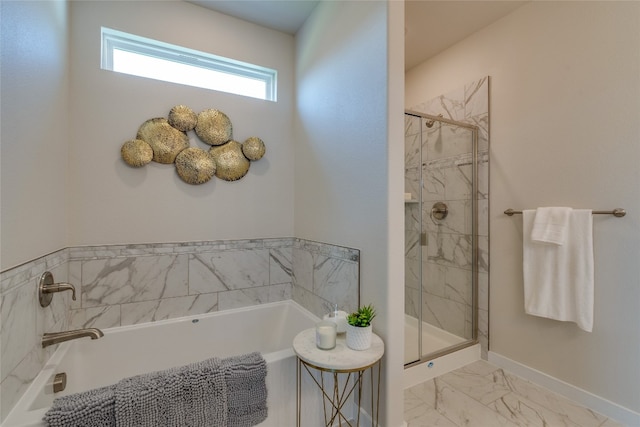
{"x": 441, "y": 365}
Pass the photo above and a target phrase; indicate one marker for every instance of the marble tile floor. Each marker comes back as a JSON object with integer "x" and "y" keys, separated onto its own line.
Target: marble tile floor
{"x": 483, "y": 395}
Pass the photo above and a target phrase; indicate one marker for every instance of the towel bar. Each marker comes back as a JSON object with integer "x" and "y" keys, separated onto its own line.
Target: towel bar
{"x": 617, "y": 212}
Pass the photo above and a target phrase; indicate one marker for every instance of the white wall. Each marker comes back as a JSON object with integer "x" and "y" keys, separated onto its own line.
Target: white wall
{"x": 34, "y": 132}
{"x": 113, "y": 203}
{"x": 343, "y": 184}
{"x": 394, "y": 286}
{"x": 565, "y": 130}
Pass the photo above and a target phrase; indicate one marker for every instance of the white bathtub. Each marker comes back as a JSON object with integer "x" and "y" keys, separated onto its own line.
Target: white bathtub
{"x": 131, "y": 350}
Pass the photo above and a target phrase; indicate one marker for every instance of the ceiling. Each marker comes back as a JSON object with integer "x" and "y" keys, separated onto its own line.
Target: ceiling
{"x": 430, "y": 26}
{"x": 282, "y": 15}
{"x": 433, "y": 26}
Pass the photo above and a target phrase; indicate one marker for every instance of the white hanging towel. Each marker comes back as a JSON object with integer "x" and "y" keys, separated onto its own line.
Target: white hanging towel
{"x": 558, "y": 279}
{"x": 550, "y": 225}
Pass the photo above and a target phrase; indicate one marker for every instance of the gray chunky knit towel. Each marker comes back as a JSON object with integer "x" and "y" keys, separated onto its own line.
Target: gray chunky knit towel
{"x": 214, "y": 393}
{"x": 93, "y": 408}
{"x": 245, "y": 377}
{"x": 192, "y": 395}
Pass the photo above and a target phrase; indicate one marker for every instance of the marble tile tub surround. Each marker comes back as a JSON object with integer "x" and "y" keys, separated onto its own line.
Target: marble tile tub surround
{"x": 129, "y": 284}
{"x": 142, "y": 283}
{"x": 23, "y": 321}
{"x": 447, "y": 168}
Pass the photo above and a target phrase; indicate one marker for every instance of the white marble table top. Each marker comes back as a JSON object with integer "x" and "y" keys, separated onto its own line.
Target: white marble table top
{"x": 340, "y": 358}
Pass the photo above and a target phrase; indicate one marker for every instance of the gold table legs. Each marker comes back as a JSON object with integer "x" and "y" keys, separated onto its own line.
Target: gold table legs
{"x": 334, "y": 400}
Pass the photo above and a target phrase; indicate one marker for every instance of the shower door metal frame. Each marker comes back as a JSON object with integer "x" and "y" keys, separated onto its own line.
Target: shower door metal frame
{"x": 474, "y": 241}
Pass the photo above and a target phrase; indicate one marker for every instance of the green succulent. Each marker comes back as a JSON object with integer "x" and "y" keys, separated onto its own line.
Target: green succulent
{"x": 363, "y": 317}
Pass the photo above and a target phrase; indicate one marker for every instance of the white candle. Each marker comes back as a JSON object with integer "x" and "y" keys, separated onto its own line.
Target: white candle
{"x": 325, "y": 335}
{"x": 339, "y": 318}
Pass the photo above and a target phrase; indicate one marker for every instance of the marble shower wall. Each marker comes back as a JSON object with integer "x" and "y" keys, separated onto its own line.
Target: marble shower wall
{"x": 129, "y": 284}
{"x": 445, "y": 167}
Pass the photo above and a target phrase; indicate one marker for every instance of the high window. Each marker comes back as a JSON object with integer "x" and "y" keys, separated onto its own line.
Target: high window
{"x": 143, "y": 57}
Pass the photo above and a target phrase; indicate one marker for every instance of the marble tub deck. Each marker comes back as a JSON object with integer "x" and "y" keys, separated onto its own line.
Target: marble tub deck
{"x": 483, "y": 395}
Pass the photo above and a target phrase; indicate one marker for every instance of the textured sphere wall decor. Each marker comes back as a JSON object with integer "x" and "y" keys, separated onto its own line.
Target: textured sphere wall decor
{"x": 195, "y": 166}
{"x": 253, "y": 148}
{"x": 231, "y": 164}
{"x": 166, "y": 141}
{"x": 183, "y": 118}
{"x": 214, "y": 127}
{"x": 136, "y": 153}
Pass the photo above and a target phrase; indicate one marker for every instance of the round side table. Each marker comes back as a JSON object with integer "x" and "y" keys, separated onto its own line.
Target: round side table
{"x": 341, "y": 360}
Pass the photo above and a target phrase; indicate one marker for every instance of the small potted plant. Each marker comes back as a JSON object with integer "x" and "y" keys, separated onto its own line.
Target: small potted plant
{"x": 359, "y": 328}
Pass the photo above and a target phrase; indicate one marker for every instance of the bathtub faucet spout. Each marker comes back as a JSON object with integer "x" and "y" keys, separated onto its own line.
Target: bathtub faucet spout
{"x": 58, "y": 337}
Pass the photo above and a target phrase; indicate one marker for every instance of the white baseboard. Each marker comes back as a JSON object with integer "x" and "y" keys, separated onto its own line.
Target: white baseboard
{"x": 578, "y": 395}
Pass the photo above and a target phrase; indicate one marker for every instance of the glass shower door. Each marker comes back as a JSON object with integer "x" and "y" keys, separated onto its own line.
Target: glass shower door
{"x": 440, "y": 290}
{"x": 413, "y": 234}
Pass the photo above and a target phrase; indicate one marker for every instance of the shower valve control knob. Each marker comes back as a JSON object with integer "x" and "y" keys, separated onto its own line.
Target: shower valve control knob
{"x": 46, "y": 289}
{"x": 439, "y": 210}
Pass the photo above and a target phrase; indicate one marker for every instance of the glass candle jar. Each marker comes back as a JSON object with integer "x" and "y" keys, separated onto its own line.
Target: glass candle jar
{"x": 326, "y": 335}
{"x": 339, "y": 318}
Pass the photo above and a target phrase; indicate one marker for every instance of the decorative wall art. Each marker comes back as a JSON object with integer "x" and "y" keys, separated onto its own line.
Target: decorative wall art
{"x": 166, "y": 141}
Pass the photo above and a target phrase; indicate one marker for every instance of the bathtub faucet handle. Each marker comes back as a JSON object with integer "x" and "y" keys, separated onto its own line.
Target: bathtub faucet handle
{"x": 47, "y": 288}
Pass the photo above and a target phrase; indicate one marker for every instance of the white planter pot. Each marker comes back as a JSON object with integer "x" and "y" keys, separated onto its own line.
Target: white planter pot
{"x": 359, "y": 338}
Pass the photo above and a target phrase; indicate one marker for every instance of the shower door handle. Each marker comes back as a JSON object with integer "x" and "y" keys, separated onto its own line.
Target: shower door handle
{"x": 423, "y": 239}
